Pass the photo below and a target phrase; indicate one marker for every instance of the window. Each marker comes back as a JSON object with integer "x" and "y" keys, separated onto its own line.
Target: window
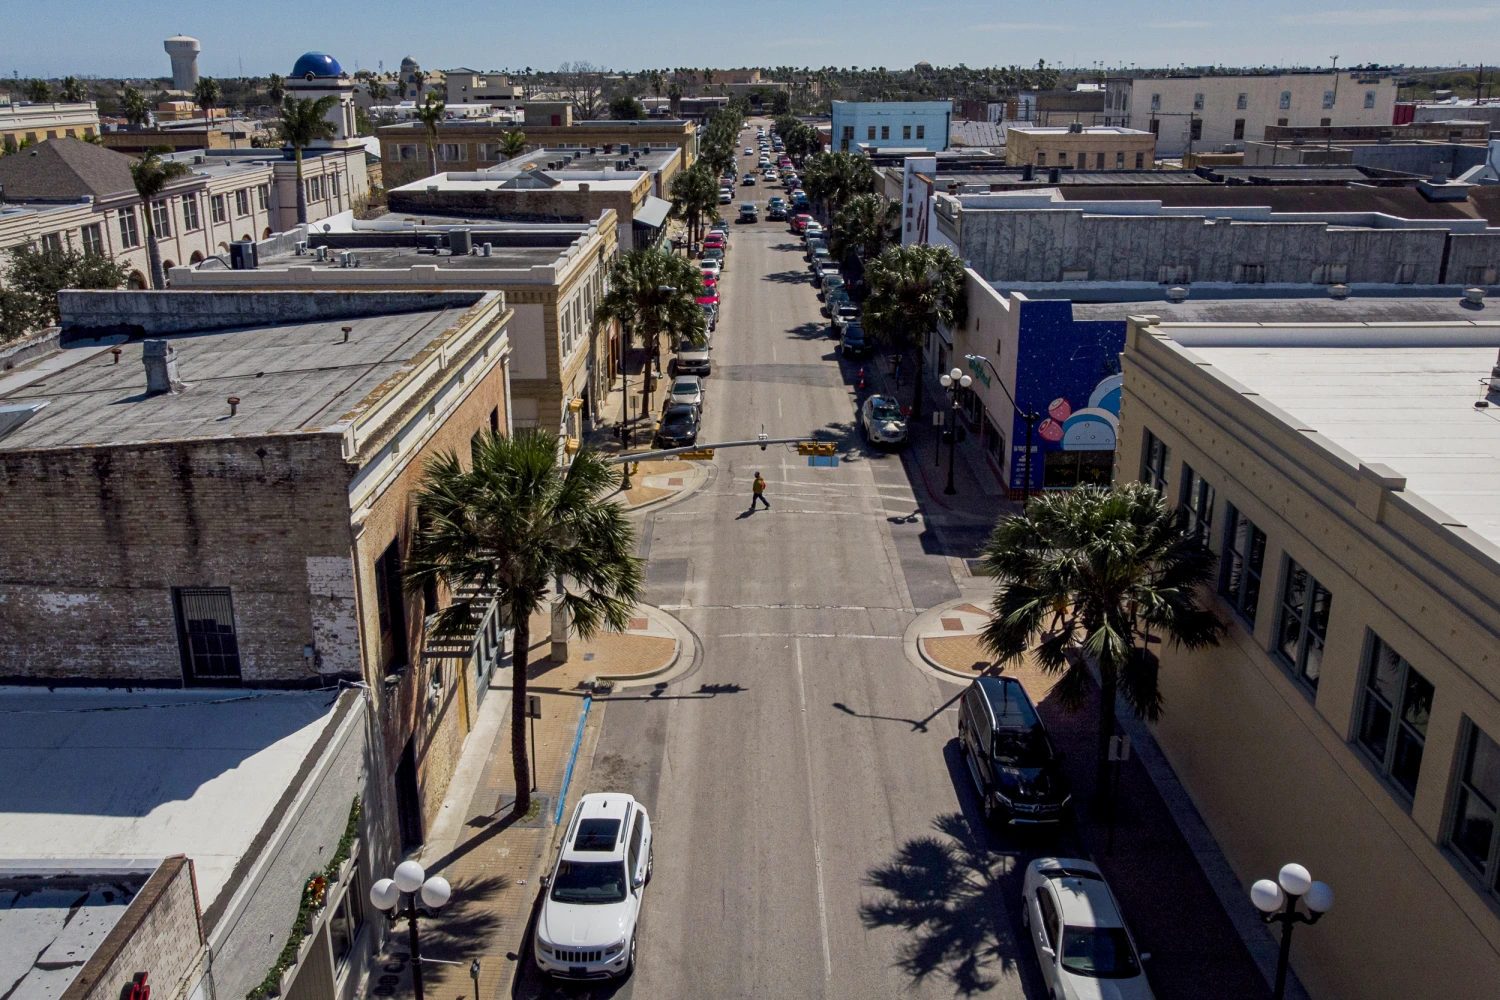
{"x": 1244, "y": 554}
{"x": 870, "y": 133}
{"x": 1198, "y": 500}
{"x": 1304, "y": 623}
{"x": 921, "y": 131}
{"x": 129, "y": 235}
{"x": 263, "y": 195}
{"x": 906, "y": 131}
{"x": 206, "y": 637}
{"x": 1325, "y": 122}
{"x": 1197, "y": 102}
{"x": 216, "y": 208}
{"x": 190, "y": 219}
{"x": 849, "y": 131}
{"x": 1041, "y": 158}
{"x": 390, "y": 604}
{"x": 1369, "y": 98}
{"x": 1174, "y": 274}
{"x": 242, "y": 201}
{"x": 1120, "y": 161}
{"x": 333, "y": 185}
{"x": 885, "y": 131}
{"x": 409, "y": 151}
{"x": 1062, "y": 158}
{"x": 1098, "y": 161}
{"x": 93, "y": 239}
{"x": 634, "y": 848}
{"x": 1241, "y": 102}
{"x": 1393, "y": 721}
{"x": 1050, "y": 921}
{"x": 1476, "y": 805}
{"x": 52, "y": 242}
{"x": 1327, "y": 99}
{"x": 1156, "y": 127}
{"x": 1155, "y": 102}
{"x": 1195, "y": 128}
{"x": 161, "y": 218}
{"x": 1285, "y": 103}
{"x": 1239, "y": 128}
{"x": 1281, "y": 122}
{"x": 1250, "y": 274}
{"x": 1478, "y": 274}
{"x": 1154, "y": 458}
{"x": 1330, "y": 274}
{"x": 1140, "y": 161}
{"x": 449, "y": 152}
{"x": 347, "y": 921}
{"x": 315, "y": 189}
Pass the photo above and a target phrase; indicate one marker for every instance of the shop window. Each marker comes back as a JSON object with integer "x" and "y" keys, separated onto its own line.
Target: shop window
{"x": 347, "y": 921}
{"x": 1397, "y": 702}
{"x": 1305, "y": 604}
{"x": 1066, "y": 469}
{"x": 1243, "y": 558}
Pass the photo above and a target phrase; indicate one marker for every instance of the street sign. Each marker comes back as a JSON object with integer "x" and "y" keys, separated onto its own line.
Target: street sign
{"x": 937, "y": 418}
{"x": 534, "y": 707}
{"x": 823, "y": 460}
{"x": 1119, "y": 748}
{"x": 701, "y": 453}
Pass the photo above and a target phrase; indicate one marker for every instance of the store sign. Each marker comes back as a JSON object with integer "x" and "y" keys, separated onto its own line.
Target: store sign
{"x": 978, "y": 370}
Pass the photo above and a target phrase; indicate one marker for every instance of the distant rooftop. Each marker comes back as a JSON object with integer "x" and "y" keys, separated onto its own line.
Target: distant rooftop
{"x": 528, "y": 180}
{"x": 1069, "y": 130}
{"x": 594, "y": 158}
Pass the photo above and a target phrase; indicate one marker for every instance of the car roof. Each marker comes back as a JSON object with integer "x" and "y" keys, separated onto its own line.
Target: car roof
{"x": 591, "y": 819}
{"x": 1009, "y": 702}
{"x": 1082, "y": 895}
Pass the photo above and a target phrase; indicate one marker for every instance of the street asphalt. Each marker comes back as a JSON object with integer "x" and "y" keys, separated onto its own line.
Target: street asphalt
{"x": 815, "y": 834}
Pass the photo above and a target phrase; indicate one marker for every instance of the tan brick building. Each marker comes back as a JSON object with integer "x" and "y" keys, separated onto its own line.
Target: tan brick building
{"x": 1080, "y": 147}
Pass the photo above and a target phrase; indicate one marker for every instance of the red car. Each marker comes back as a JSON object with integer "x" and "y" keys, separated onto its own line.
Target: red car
{"x": 710, "y": 282}
{"x": 800, "y": 221}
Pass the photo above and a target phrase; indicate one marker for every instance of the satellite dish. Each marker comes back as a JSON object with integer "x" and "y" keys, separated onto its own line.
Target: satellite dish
{"x": 327, "y": 227}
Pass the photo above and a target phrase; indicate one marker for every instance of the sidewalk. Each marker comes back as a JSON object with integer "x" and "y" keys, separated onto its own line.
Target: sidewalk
{"x": 493, "y": 862}
{"x": 1184, "y": 902}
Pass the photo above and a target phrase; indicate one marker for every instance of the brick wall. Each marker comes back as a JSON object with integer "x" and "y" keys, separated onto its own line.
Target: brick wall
{"x": 94, "y": 540}
{"x": 159, "y": 934}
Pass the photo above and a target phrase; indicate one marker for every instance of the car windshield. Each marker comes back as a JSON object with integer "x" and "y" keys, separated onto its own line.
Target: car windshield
{"x": 685, "y": 386}
{"x": 687, "y": 345}
{"x": 1023, "y": 747}
{"x": 1099, "y": 953}
{"x": 883, "y": 410}
{"x": 853, "y": 333}
{"x": 589, "y": 882}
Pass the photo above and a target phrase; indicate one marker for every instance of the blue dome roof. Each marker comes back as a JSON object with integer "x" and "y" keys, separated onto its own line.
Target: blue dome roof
{"x": 316, "y": 64}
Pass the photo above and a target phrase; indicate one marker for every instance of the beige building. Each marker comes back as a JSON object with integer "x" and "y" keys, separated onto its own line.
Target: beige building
{"x": 552, "y": 275}
{"x": 469, "y": 86}
{"x": 39, "y": 122}
{"x": 1344, "y": 471}
{"x": 1080, "y": 147}
{"x": 1208, "y": 113}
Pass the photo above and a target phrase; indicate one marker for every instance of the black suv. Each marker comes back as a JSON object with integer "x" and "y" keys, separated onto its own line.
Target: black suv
{"x": 1016, "y": 770}
{"x": 679, "y": 426}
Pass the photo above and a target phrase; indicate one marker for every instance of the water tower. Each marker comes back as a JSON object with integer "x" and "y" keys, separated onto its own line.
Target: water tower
{"x": 184, "y": 53}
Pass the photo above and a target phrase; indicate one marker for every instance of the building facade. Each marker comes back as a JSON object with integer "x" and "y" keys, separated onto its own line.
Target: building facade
{"x": 901, "y": 124}
{"x": 469, "y": 86}
{"x": 1211, "y": 113}
{"x": 1080, "y": 147}
{"x": 1349, "y": 719}
{"x": 33, "y": 123}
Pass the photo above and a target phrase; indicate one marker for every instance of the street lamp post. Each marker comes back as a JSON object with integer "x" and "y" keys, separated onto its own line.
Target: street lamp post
{"x": 1030, "y": 416}
{"x": 1277, "y": 903}
{"x": 953, "y": 381}
{"x": 410, "y": 881}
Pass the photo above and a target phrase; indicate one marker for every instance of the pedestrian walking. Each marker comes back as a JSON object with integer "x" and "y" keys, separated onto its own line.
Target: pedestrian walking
{"x": 758, "y": 492}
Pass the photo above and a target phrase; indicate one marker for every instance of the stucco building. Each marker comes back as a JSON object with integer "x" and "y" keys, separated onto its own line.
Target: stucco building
{"x": 26, "y": 122}
{"x": 1080, "y": 147}
{"x": 873, "y": 125}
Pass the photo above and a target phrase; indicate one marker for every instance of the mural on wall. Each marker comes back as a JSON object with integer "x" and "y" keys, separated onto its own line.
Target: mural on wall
{"x": 1070, "y": 371}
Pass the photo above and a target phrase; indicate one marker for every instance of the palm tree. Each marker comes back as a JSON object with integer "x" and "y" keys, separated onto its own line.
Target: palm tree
{"x": 654, "y": 292}
{"x": 513, "y": 144}
{"x": 912, "y": 289}
{"x": 37, "y": 91}
{"x": 419, "y": 78}
{"x": 151, "y": 173}
{"x": 137, "y": 109}
{"x": 866, "y": 223}
{"x": 430, "y": 115}
{"x": 695, "y": 195}
{"x": 302, "y": 123}
{"x": 206, "y": 95}
{"x": 1097, "y": 576}
{"x": 276, "y": 89}
{"x": 73, "y": 90}
{"x": 504, "y": 529}
{"x": 674, "y": 98}
{"x": 833, "y": 178}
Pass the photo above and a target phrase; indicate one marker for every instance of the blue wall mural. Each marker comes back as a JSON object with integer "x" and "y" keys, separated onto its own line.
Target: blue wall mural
{"x": 1070, "y": 373}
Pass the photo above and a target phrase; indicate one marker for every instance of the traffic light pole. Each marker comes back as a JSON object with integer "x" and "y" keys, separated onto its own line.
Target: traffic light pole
{"x": 757, "y": 442}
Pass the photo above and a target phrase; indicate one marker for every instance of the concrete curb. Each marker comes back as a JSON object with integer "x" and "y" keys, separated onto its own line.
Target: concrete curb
{"x": 698, "y": 483}
{"x": 911, "y": 642}
{"x": 683, "y": 639}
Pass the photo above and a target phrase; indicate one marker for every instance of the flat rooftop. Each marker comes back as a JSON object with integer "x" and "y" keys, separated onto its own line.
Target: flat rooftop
{"x": 622, "y": 181}
{"x": 1068, "y": 130}
{"x": 593, "y": 158}
{"x": 290, "y": 378}
{"x": 51, "y": 925}
{"x": 109, "y": 776}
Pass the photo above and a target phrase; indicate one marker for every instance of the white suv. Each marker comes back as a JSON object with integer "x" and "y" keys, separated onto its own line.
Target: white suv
{"x": 1080, "y": 938}
{"x": 587, "y": 926}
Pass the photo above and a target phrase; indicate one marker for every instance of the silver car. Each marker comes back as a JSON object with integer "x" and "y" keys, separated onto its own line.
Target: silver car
{"x": 882, "y": 421}
{"x": 687, "y": 389}
{"x": 1080, "y": 938}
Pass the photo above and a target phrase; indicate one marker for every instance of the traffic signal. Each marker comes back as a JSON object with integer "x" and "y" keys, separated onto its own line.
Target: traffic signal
{"x": 817, "y": 447}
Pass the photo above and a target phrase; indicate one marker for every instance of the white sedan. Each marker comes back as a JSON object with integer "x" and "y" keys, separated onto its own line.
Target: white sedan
{"x": 587, "y": 925}
{"x": 687, "y": 389}
{"x": 1085, "y": 951}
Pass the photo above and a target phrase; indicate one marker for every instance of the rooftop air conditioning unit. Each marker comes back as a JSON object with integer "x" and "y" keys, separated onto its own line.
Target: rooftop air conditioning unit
{"x": 301, "y": 248}
{"x": 1076, "y": 128}
{"x": 322, "y": 253}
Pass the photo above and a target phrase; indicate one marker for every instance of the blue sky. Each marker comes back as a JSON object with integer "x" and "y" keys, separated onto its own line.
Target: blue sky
{"x": 118, "y": 39}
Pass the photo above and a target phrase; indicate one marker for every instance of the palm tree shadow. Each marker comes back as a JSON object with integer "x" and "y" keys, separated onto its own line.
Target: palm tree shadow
{"x": 469, "y": 920}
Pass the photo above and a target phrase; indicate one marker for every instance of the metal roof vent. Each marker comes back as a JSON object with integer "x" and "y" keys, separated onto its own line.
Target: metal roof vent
{"x": 161, "y": 368}
{"x": 1177, "y": 294}
{"x": 1338, "y": 291}
{"x": 1474, "y": 296}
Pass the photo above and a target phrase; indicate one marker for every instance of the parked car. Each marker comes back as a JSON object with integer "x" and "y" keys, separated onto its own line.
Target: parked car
{"x": 812, "y": 231}
{"x": 800, "y": 221}
{"x": 882, "y": 421}
{"x": 748, "y": 212}
{"x": 821, "y": 259}
{"x": 831, "y": 280}
{"x": 711, "y": 264}
{"x": 710, "y": 314}
{"x": 726, "y": 195}
{"x": 1080, "y": 937}
{"x": 813, "y": 245}
{"x": 841, "y": 311}
{"x": 678, "y": 427}
{"x": 852, "y": 341}
{"x": 1015, "y": 768}
{"x": 799, "y": 200}
{"x": 714, "y": 253}
{"x": 586, "y": 928}
{"x": 688, "y": 390}
{"x": 749, "y": 151}
{"x": 691, "y": 360}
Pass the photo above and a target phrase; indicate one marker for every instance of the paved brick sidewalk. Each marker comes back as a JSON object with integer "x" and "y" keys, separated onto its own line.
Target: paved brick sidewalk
{"x": 495, "y": 864}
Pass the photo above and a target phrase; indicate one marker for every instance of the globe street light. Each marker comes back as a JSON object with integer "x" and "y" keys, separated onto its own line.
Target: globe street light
{"x": 953, "y": 381}
{"x": 411, "y": 881}
{"x": 1277, "y": 903}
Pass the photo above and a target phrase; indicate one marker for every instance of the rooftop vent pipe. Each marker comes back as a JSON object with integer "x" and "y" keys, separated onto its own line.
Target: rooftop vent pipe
{"x": 1338, "y": 291}
{"x": 1054, "y": 175}
{"x": 1028, "y": 172}
{"x": 1474, "y": 296}
{"x": 1177, "y": 294}
{"x": 234, "y": 405}
{"x": 161, "y": 368}
{"x": 347, "y": 330}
